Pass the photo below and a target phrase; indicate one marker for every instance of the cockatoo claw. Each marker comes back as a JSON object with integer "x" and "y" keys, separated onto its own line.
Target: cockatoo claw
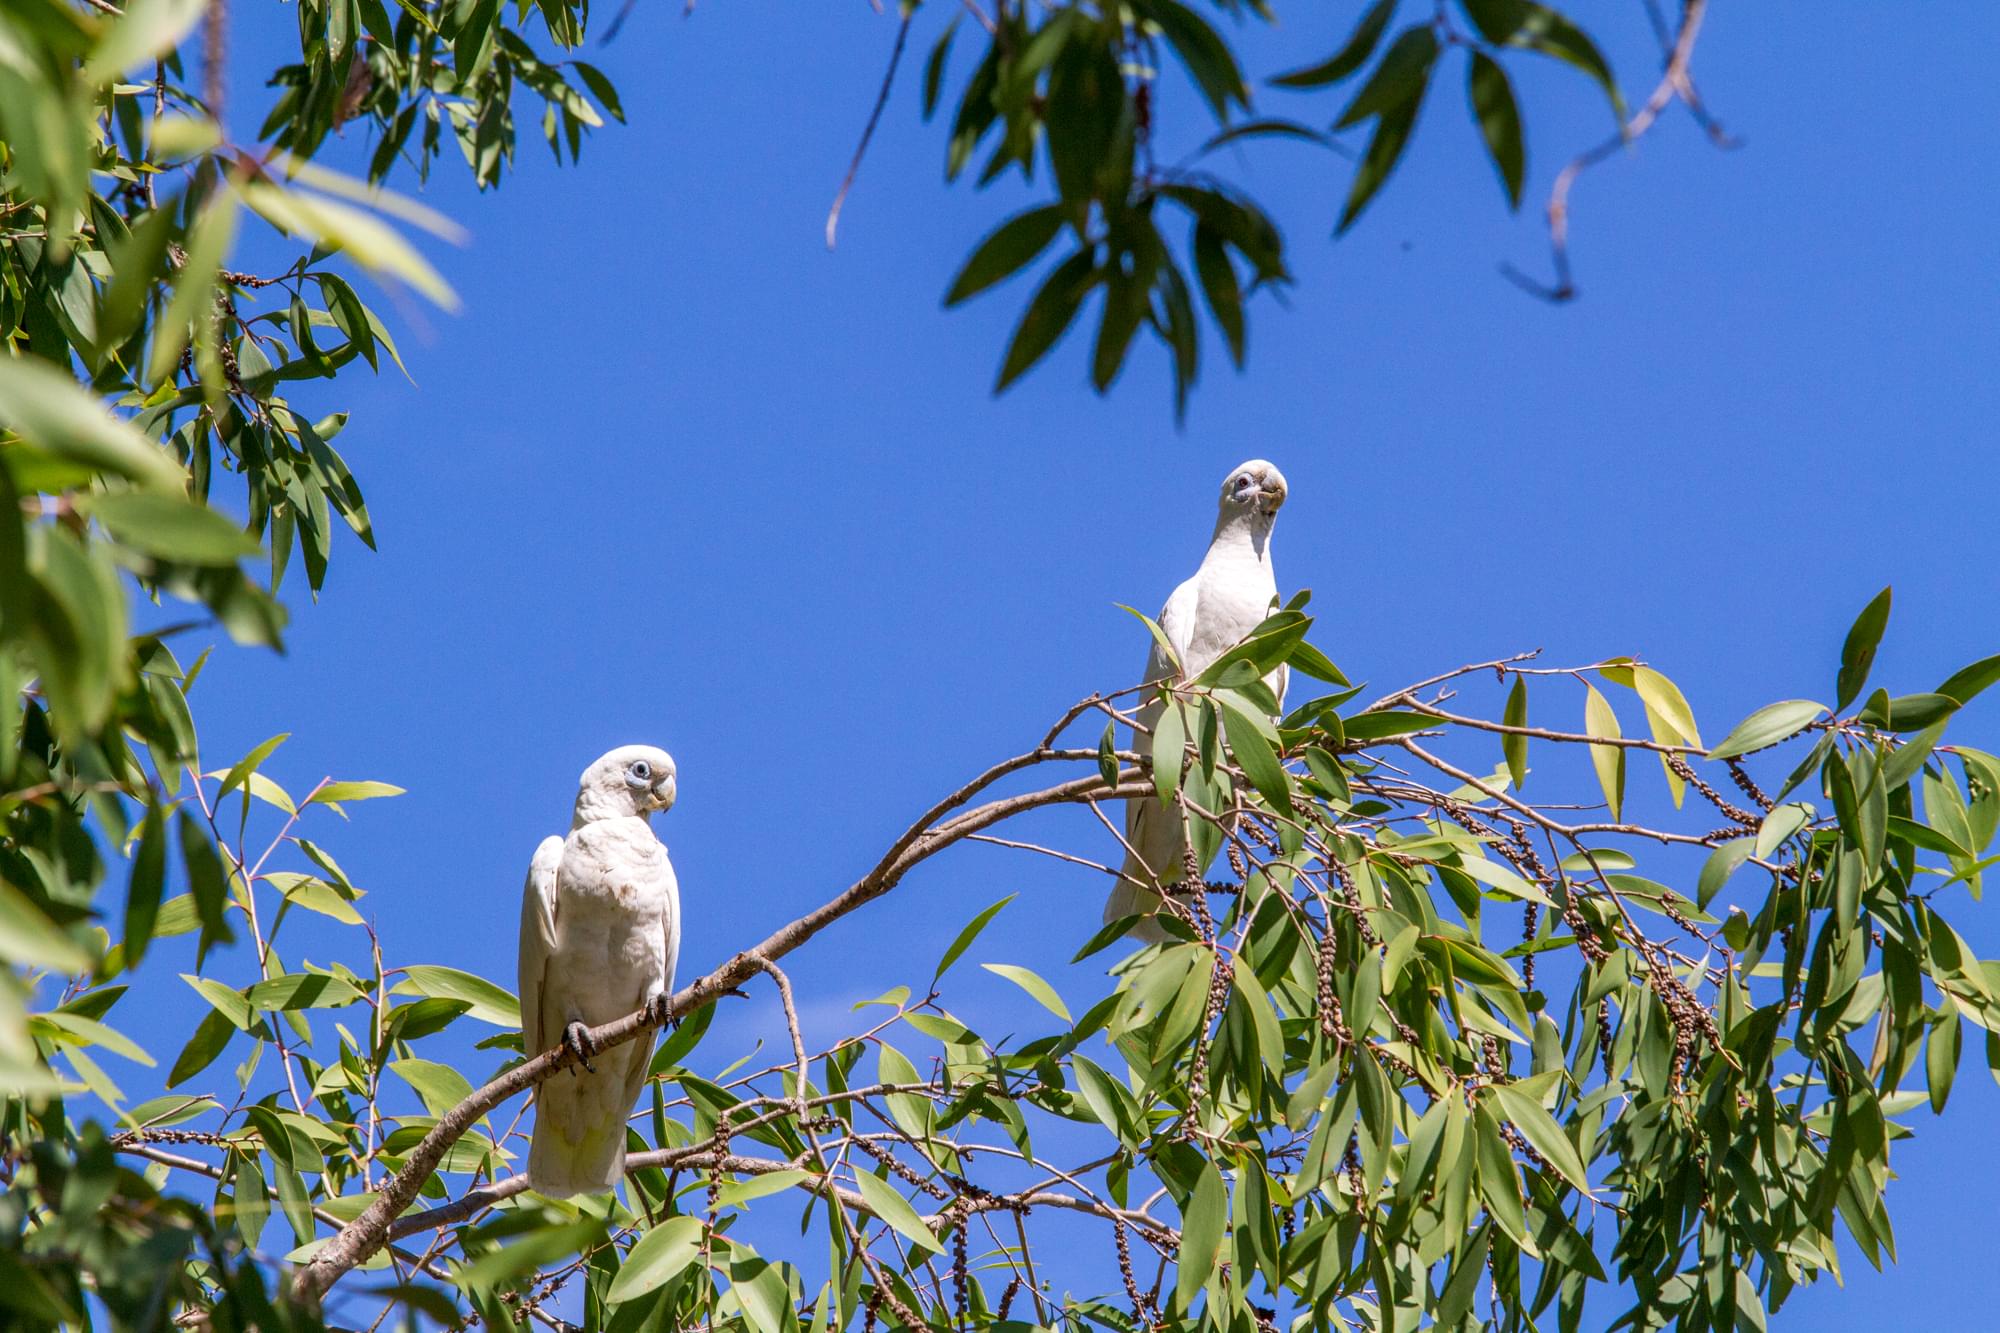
{"x": 576, "y": 1040}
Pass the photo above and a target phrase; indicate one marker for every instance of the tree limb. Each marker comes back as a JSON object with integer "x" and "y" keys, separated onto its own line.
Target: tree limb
{"x": 360, "y": 1238}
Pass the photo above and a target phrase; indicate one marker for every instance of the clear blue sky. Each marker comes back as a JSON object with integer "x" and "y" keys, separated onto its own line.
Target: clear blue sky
{"x": 678, "y": 475}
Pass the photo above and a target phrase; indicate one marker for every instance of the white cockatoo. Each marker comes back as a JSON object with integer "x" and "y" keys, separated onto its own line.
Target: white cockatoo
{"x": 1229, "y": 596}
{"x": 600, "y": 934}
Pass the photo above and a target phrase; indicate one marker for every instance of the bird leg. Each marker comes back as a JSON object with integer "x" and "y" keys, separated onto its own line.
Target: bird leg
{"x": 576, "y": 1040}
{"x": 659, "y": 1012}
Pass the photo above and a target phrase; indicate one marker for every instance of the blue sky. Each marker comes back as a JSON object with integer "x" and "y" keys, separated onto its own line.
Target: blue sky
{"x": 678, "y": 475}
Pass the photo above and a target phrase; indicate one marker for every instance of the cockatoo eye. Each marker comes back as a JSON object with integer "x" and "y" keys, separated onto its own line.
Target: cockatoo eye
{"x": 639, "y": 772}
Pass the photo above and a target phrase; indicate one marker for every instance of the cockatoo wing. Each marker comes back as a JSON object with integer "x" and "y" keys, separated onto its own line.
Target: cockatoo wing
{"x": 1150, "y": 828}
{"x": 538, "y": 941}
{"x": 1177, "y": 620}
{"x": 670, "y": 927}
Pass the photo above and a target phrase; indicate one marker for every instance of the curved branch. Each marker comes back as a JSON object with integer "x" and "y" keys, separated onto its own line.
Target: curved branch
{"x": 360, "y": 1238}
{"x": 1674, "y": 83}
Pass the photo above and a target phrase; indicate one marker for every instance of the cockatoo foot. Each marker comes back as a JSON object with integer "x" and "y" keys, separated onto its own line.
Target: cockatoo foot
{"x": 576, "y": 1040}
{"x": 659, "y": 1011}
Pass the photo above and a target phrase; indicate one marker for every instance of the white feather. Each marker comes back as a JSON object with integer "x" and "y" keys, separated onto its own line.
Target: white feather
{"x": 600, "y": 935}
{"x": 1228, "y": 596}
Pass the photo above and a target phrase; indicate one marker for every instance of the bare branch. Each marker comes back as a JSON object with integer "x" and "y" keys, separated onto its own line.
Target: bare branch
{"x": 1675, "y": 83}
{"x": 868, "y": 132}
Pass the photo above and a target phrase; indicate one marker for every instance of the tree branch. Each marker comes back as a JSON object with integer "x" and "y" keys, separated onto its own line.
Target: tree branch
{"x": 1674, "y": 83}
{"x": 360, "y": 1238}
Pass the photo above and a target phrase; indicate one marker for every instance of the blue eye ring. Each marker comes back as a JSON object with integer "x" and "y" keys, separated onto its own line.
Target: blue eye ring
{"x": 639, "y": 772}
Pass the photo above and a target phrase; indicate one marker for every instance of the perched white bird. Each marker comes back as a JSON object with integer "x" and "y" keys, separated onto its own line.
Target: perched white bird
{"x": 600, "y": 934}
{"x": 1228, "y": 596}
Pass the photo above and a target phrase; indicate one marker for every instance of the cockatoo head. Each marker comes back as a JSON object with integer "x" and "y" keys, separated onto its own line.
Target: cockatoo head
{"x": 1253, "y": 487}
{"x": 631, "y": 780}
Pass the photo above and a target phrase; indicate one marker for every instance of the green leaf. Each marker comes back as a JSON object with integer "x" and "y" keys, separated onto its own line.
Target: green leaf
{"x": 680, "y": 1041}
{"x": 1499, "y": 118}
{"x": 1220, "y": 288}
{"x": 1169, "y": 751}
{"x": 1011, "y": 246}
{"x": 736, "y": 1193}
{"x": 1207, "y": 57}
{"x": 1721, "y": 863}
{"x": 332, "y": 792}
{"x": 1766, "y": 727}
{"x": 1260, "y": 762}
{"x": 1504, "y": 880}
{"x": 211, "y": 1035}
{"x": 225, "y": 1000}
{"x": 1468, "y": 1268}
{"x": 1350, "y": 57}
{"x": 1499, "y": 1180}
{"x": 1909, "y": 712}
{"x": 1043, "y": 993}
{"x": 301, "y": 990}
{"x": 194, "y": 287}
{"x": 1538, "y": 28}
{"x": 1049, "y": 315}
{"x": 89, "y": 1032}
{"x": 934, "y": 67}
{"x": 252, "y": 1203}
{"x": 1941, "y": 1057}
{"x": 170, "y": 527}
{"x": 1263, "y": 129}
{"x": 1664, "y": 699}
{"x": 440, "y": 1086}
{"x": 535, "y": 1250}
{"x": 147, "y": 883}
{"x": 1904, "y": 762}
{"x": 1515, "y": 748}
{"x": 366, "y": 239}
{"x": 969, "y": 934}
{"x": 490, "y": 1004}
{"x": 1779, "y": 826}
{"x": 1962, "y": 685}
{"x": 1542, "y": 1132}
{"x": 138, "y": 260}
{"x": 1316, "y": 664}
{"x": 1263, "y": 1019}
{"x": 761, "y": 1289}
{"x": 1392, "y": 133}
{"x": 1109, "y": 1100}
{"x": 1202, "y": 1225}
{"x": 1382, "y": 725}
{"x": 1400, "y": 79}
{"x": 240, "y": 771}
{"x": 147, "y": 28}
{"x": 661, "y": 1255}
{"x": 1127, "y": 302}
{"x": 893, "y": 1208}
{"x": 206, "y": 880}
{"x": 49, "y": 409}
{"x": 1608, "y": 760}
{"x": 1857, "y": 654}
{"x": 1107, "y": 755}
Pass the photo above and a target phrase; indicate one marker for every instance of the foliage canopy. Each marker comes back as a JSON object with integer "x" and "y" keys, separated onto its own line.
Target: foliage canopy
{"x": 1428, "y": 1051}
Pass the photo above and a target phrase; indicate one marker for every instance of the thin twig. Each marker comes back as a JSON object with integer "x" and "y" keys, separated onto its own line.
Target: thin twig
{"x": 1674, "y": 83}
{"x": 868, "y": 132}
